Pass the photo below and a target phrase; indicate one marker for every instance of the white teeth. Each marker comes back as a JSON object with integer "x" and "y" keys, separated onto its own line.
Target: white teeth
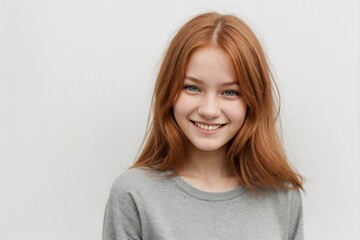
{"x": 207, "y": 127}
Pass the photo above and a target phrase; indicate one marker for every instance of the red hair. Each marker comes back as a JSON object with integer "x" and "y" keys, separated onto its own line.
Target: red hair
{"x": 255, "y": 155}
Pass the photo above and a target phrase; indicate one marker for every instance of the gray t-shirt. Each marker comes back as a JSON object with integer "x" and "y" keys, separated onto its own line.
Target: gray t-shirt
{"x": 144, "y": 205}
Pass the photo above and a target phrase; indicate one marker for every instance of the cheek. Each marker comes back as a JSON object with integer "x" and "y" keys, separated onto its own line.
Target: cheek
{"x": 236, "y": 112}
{"x": 183, "y": 106}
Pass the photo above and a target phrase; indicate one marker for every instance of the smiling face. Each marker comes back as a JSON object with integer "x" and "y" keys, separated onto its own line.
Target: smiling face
{"x": 210, "y": 109}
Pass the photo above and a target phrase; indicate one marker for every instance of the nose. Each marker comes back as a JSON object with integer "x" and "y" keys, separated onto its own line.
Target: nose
{"x": 209, "y": 107}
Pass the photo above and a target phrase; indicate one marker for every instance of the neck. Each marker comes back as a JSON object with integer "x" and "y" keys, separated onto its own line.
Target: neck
{"x": 207, "y": 165}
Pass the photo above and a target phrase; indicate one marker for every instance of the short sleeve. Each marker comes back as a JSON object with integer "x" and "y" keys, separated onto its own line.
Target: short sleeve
{"x": 121, "y": 218}
{"x": 296, "y": 231}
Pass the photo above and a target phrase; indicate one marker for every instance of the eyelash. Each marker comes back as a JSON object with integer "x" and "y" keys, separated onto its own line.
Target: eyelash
{"x": 187, "y": 87}
{"x": 193, "y": 88}
{"x": 235, "y": 93}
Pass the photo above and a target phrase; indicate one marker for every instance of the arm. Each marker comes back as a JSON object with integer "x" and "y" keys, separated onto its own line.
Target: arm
{"x": 121, "y": 220}
{"x": 296, "y": 231}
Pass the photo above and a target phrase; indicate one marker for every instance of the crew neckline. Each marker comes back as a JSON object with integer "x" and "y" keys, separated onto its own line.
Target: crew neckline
{"x": 207, "y": 196}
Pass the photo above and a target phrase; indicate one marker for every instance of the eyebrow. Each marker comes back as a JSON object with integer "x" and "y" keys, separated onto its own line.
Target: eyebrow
{"x": 202, "y": 82}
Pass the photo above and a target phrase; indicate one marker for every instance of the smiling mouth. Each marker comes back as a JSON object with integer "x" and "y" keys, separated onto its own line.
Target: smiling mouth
{"x": 206, "y": 127}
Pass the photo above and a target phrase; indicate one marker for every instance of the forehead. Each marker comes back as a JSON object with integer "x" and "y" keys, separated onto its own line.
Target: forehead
{"x": 211, "y": 64}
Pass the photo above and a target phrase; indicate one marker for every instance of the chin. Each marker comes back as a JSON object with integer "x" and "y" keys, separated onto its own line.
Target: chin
{"x": 207, "y": 147}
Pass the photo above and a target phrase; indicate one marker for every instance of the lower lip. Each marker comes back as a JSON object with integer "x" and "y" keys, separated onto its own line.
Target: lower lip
{"x": 207, "y": 132}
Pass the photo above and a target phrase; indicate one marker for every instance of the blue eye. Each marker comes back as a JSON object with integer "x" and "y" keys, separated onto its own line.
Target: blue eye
{"x": 230, "y": 93}
{"x": 192, "y": 88}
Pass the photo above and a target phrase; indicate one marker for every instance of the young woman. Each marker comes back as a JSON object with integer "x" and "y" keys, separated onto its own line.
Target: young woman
{"x": 212, "y": 165}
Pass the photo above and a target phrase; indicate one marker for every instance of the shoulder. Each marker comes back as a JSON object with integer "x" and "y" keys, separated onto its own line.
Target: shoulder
{"x": 295, "y": 198}
{"x": 285, "y": 199}
{"x": 287, "y": 194}
{"x": 278, "y": 198}
{"x": 136, "y": 180}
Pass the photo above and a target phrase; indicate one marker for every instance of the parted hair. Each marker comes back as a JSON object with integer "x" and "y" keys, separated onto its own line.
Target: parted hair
{"x": 255, "y": 155}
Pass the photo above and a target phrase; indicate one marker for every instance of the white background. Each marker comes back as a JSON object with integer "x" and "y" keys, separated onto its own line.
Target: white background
{"x": 76, "y": 77}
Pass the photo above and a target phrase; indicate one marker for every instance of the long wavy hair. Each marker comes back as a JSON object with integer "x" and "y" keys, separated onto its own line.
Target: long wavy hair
{"x": 255, "y": 156}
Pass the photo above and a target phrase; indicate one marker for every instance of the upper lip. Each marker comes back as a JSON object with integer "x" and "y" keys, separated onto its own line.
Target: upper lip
{"x": 207, "y": 123}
